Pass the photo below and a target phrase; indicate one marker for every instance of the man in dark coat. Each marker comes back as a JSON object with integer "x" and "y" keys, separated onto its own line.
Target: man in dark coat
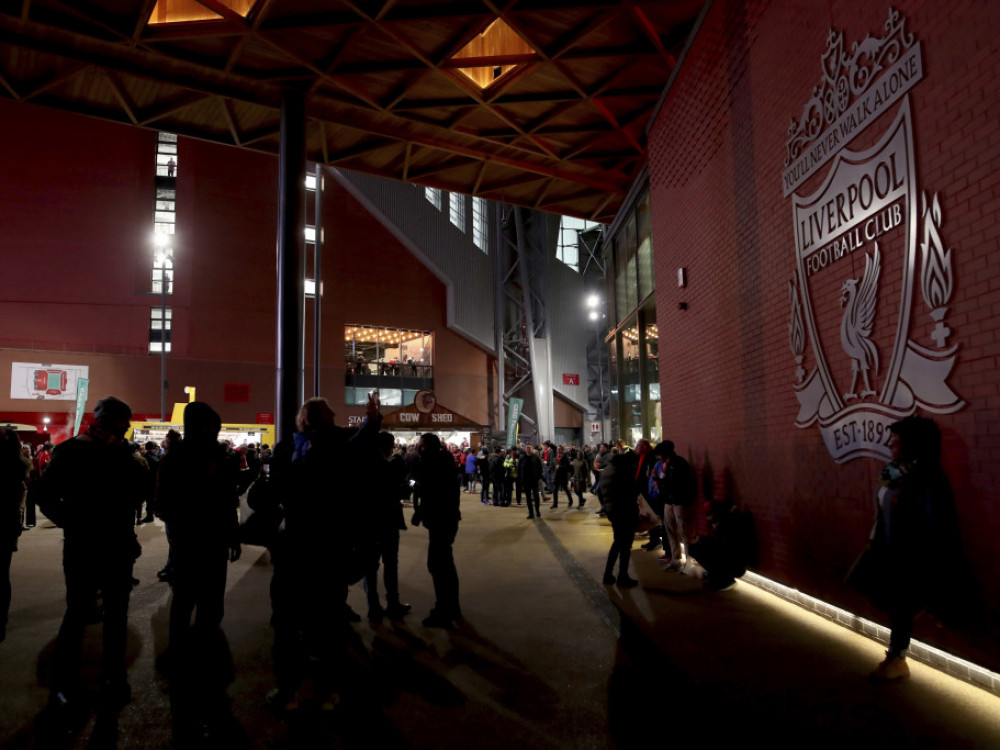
{"x": 530, "y": 470}
{"x": 621, "y": 502}
{"x": 151, "y": 455}
{"x": 678, "y": 490}
{"x": 389, "y": 476}
{"x": 497, "y": 475}
{"x": 199, "y": 498}
{"x": 89, "y": 490}
{"x": 438, "y": 511}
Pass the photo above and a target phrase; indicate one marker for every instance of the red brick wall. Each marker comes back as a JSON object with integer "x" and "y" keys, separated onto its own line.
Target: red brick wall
{"x": 76, "y": 221}
{"x": 717, "y": 151}
{"x": 68, "y": 198}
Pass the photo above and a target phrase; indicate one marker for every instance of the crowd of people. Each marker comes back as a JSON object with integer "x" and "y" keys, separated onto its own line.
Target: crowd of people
{"x": 98, "y": 487}
{"x": 532, "y": 472}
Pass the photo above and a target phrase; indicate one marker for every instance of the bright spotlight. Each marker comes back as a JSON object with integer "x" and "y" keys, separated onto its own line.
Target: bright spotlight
{"x": 593, "y": 301}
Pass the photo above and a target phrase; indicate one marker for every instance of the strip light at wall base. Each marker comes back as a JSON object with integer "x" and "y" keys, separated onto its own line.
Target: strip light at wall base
{"x": 922, "y": 652}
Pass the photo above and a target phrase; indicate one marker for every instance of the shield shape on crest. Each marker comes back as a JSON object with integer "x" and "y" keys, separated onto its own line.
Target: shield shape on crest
{"x": 857, "y": 251}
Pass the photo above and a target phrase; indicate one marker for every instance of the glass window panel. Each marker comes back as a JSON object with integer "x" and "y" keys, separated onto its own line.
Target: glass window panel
{"x": 621, "y": 294}
{"x": 434, "y": 196}
{"x": 651, "y": 361}
{"x": 628, "y": 239}
{"x": 456, "y": 210}
{"x": 386, "y": 353}
{"x": 166, "y": 206}
{"x": 156, "y": 332}
{"x": 167, "y": 137}
{"x": 610, "y": 297}
{"x": 480, "y": 224}
{"x": 615, "y": 378}
{"x": 165, "y": 194}
{"x": 644, "y": 222}
{"x": 164, "y": 217}
{"x": 630, "y": 362}
{"x": 644, "y": 238}
{"x": 350, "y": 347}
{"x": 390, "y": 397}
{"x": 568, "y": 244}
{"x": 632, "y": 283}
{"x": 166, "y": 148}
{"x": 163, "y": 228}
{"x": 645, "y": 257}
{"x": 157, "y": 283}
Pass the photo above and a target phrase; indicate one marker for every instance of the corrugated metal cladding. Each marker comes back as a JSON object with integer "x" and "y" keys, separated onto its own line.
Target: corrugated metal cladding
{"x": 569, "y": 330}
{"x": 449, "y": 250}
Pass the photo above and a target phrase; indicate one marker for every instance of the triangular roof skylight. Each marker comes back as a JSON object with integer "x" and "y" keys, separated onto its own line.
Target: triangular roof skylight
{"x": 492, "y": 54}
{"x": 186, "y": 11}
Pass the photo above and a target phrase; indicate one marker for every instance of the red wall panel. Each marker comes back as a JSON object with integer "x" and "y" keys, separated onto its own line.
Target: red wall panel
{"x": 717, "y": 150}
{"x": 76, "y": 207}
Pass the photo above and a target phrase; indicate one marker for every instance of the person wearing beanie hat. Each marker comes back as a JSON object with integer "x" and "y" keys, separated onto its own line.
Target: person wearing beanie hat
{"x": 89, "y": 489}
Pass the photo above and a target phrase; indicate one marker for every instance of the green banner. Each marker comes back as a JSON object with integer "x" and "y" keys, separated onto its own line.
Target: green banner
{"x": 514, "y": 407}
{"x": 82, "y": 386}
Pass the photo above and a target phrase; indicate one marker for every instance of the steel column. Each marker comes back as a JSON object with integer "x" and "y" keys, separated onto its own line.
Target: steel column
{"x": 317, "y": 278}
{"x": 291, "y": 204}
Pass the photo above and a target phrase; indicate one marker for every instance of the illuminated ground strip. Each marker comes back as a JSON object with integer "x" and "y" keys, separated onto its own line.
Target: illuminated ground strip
{"x": 934, "y": 657}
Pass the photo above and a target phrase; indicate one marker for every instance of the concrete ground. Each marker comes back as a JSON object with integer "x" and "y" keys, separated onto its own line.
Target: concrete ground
{"x": 547, "y": 657}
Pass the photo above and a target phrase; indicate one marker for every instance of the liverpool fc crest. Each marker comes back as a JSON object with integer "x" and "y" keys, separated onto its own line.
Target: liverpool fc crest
{"x": 868, "y": 349}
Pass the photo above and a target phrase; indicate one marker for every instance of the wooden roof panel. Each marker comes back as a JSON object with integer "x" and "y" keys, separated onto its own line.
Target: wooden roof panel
{"x": 565, "y": 128}
{"x": 208, "y": 51}
{"x": 308, "y": 49}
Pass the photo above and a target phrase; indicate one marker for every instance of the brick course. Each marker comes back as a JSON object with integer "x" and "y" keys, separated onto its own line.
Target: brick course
{"x": 717, "y": 151}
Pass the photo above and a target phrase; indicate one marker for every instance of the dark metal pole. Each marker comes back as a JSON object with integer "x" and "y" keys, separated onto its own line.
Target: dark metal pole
{"x": 317, "y": 278}
{"x": 163, "y": 339}
{"x": 291, "y": 202}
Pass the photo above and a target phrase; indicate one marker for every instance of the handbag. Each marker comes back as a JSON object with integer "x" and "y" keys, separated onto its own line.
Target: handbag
{"x": 647, "y": 516}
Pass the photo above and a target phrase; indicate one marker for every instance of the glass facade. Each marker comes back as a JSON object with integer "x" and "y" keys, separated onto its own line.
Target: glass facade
{"x": 633, "y": 336}
{"x": 650, "y": 348}
{"x": 396, "y": 361}
{"x": 164, "y": 228}
{"x": 631, "y": 383}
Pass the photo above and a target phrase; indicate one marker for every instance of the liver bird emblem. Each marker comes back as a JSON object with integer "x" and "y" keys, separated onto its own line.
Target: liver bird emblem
{"x": 856, "y": 327}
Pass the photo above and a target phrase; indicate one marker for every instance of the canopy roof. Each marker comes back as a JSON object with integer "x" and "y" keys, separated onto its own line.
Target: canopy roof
{"x": 545, "y": 108}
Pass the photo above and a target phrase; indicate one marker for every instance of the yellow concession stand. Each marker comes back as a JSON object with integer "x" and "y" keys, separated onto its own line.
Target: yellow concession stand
{"x": 237, "y": 434}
